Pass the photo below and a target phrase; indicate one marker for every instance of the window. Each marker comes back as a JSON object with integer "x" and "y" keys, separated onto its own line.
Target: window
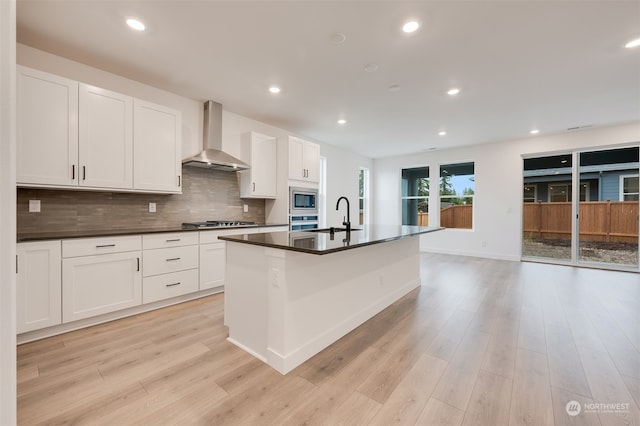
{"x": 457, "y": 189}
{"x": 562, "y": 192}
{"x": 629, "y": 187}
{"x": 415, "y": 196}
{"x": 529, "y": 195}
{"x": 363, "y": 195}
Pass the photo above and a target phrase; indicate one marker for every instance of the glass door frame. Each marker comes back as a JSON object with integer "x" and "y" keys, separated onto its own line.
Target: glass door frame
{"x": 575, "y": 209}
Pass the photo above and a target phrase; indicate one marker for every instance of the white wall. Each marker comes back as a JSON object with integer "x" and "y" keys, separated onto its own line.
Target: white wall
{"x": 7, "y": 213}
{"x": 498, "y": 186}
{"x": 342, "y": 166}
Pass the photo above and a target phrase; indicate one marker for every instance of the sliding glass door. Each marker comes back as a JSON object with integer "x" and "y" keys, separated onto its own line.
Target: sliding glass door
{"x": 582, "y": 208}
{"x": 547, "y": 195}
{"x": 608, "y": 215}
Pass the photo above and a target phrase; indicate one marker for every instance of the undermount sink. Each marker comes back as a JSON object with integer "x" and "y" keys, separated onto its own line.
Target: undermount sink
{"x": 329, "y": 230}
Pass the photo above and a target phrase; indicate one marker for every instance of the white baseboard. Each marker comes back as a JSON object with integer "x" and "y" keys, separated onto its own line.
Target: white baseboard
{"x": 286, "y": 363}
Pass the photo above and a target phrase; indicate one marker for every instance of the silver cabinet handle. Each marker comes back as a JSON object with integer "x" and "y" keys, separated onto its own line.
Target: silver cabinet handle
{"x": 105, "y": 245}
{"x": 138, "y": 261}
{"x": 171, "y": 285}
{"x": 179, "y": 181}
{"x": 84, "y": 173}
{"x": 173, "y": 241}
{"x": 73, "y": 172}
{"x": 173, "y": 258}
{"x": 254, "y": 187}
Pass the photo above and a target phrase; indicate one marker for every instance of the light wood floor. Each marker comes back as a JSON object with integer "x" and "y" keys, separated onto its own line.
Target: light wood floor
{"x": 482, "y": 342}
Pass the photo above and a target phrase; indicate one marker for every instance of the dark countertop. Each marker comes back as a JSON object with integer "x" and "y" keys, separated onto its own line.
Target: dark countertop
{"x": 63, "y": 235}
{"x": 321, "y": 243}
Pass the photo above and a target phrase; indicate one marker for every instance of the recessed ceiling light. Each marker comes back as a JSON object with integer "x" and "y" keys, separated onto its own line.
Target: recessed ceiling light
{"x": 135, "y": 24}
{"x": 442, "y": 133}
{"x": 411, "y": 26}
{"x": 534, "y": 131}
{"x": 371, "y": 67}
{"x": 394, "y": 88}
{"x": 342, "y": 121}
{"x": 274, "y": 89}
{"x": 453, "y": 91}
{"x": 338, "y": 38}
{"x": 633, "y": 43}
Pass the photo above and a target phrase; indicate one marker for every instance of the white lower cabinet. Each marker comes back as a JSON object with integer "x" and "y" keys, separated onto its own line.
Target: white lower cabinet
{"x": 213, "y": 255}
{"x": 95, "y": 284}
{"x": 212, "y": 262}
{"x": 62, "y": 281}
{"x": 38, "y": 285}
{"x": 170, "y": 265}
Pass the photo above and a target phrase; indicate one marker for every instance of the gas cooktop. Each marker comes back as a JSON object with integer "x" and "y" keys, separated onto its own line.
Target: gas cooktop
{"x": 217, "y": 224}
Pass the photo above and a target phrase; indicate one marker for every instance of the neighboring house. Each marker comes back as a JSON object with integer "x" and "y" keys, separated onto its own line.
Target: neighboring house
{"x": 603, "y": 176}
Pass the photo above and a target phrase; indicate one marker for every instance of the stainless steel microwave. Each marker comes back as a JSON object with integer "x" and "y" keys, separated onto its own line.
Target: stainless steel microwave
{"x": 303, "y": 200}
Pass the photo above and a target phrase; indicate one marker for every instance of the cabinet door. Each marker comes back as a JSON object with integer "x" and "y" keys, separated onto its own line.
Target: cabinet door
{"x": 47, "y": 129}
{"x": 260, "y": 181}
{"x": 38, "y": 285}
{"x": 296, "y": 159}
{"x": 157, "y": 148}
{"x": 264, "y": 167}
{"x": 94, "y": 285}
{"x": 212, "y": 265}
{"x": 312, "y": 162}
{"x": 105, "y": 138}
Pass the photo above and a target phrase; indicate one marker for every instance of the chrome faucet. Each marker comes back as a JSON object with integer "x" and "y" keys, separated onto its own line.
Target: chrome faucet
{"x": 346, "y": 221}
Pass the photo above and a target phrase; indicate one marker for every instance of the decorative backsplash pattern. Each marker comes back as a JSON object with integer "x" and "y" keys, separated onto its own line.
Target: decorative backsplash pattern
{"x": 206, "y": 195}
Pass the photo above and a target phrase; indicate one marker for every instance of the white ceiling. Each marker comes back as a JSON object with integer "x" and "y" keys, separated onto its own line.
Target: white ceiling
{"x": 520, "y": 65}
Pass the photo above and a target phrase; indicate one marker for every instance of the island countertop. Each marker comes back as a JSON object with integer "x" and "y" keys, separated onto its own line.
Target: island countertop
{"x": 314, "y": 242}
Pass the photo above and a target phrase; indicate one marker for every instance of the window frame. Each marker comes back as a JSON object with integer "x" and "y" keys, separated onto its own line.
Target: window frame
{"x": 447, "y": 197}
{"x": 621, "y": 188}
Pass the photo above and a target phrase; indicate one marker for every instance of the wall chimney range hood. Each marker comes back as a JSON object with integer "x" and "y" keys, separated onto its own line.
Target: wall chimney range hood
{"x": 212, "y": 156}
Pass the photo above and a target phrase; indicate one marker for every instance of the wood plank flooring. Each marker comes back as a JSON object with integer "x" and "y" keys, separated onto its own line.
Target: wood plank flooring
{"x": 481, "y": 342}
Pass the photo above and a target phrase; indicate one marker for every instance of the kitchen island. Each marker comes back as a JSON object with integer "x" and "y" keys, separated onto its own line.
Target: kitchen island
{"x": 289, "y": 295}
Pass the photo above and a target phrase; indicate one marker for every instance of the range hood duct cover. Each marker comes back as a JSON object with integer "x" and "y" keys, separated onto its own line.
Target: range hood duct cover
{"x": 212, "y": 156}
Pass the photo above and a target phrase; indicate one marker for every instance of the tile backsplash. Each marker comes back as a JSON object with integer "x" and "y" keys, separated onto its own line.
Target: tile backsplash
{"x": 206, "y": 195}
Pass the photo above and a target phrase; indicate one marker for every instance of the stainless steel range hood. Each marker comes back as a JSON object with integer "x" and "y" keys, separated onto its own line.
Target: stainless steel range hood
{"x": 212, "y": 156}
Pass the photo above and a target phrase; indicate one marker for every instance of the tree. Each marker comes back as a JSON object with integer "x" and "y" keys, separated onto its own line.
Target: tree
{"x": 446, "y": 187}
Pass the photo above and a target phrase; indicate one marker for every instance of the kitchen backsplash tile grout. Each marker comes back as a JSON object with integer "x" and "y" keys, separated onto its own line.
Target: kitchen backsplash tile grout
{"x": 206, "y": 195}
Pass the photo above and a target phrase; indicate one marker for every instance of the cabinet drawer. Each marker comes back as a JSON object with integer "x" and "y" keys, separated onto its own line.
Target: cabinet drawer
{"x": 173, "y": 239}
{"x": 169, "y": 285}
{"x": 162, "y": 261}
{"x": 102, "y": 245}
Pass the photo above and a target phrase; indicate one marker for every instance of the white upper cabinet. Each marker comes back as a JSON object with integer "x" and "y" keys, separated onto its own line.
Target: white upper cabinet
{"x": 260, "y": 181}
{"x": 157, "y": 147}
{"x": 304, "y": 160}
{"x": 105, "y": 138}
{"x": 47, "y": 131}
{"x": 74, "y": 135}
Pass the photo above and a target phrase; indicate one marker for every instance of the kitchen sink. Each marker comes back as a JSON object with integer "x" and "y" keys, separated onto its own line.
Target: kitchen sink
{"x": 329, "y": 230}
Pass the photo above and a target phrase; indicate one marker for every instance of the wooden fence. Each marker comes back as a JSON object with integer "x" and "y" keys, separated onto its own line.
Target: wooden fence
{"x": 451, "y": 217}
{"x": 615, "y": 221}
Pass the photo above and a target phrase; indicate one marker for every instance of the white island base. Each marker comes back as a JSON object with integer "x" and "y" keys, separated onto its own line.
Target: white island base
{"x": 285, "y": 306}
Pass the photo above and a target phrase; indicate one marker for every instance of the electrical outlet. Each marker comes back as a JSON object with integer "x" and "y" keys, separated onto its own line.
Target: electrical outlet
{"x": 152, "y": 207}
{"x": 245, "y": 207}
{"x": 34, "y": 206}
